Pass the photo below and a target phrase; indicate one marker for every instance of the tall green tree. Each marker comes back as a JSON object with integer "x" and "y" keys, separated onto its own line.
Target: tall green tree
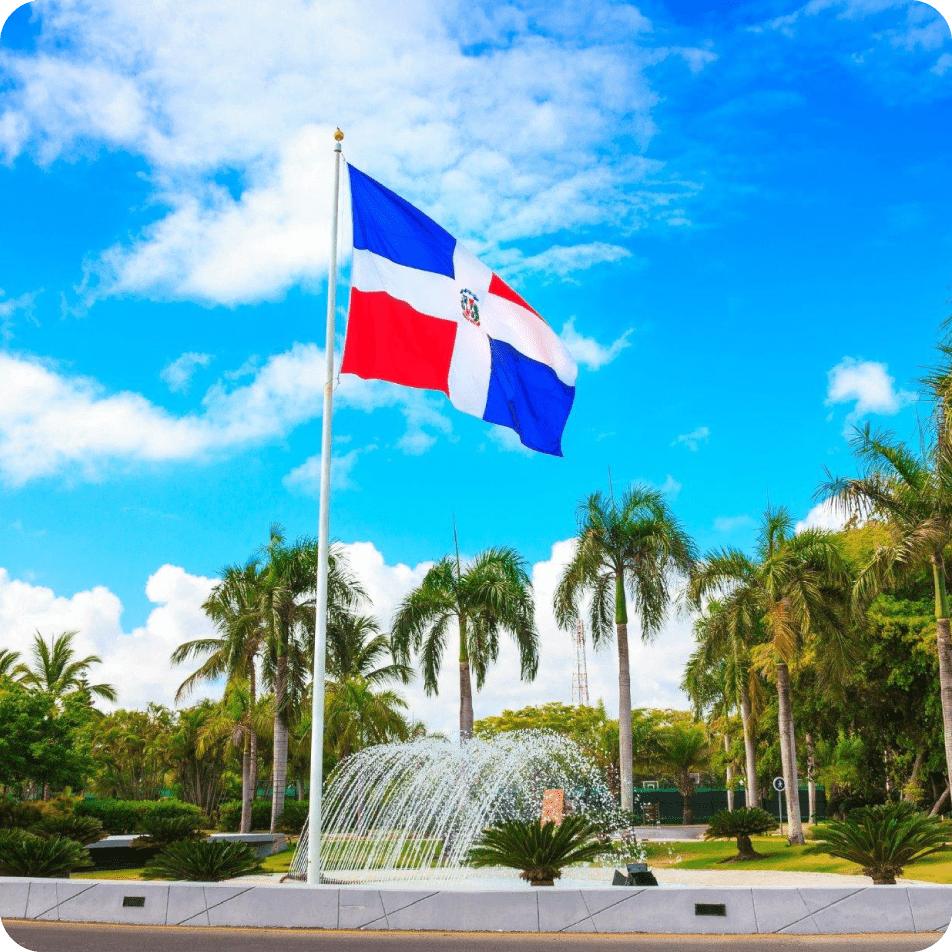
{"x": 491, "y": 594}
{"x": 684, "y": 749}
{"x": 910, "y": 492}
{"x": 232, "y": 654}
{"x": 634, "y": 548}
{"x": 792, "y": 587}
{"x": 57, "y": 671}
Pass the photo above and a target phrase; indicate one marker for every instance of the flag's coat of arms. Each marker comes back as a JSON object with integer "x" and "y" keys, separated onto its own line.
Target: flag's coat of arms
{"x": 425, "y": 312}
{"x": 470, "y": 305}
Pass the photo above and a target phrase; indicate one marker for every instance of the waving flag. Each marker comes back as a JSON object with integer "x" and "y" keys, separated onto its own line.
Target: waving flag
{"x": 425, "y": 312}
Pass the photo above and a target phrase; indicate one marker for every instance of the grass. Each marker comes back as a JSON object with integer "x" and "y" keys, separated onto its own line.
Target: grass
{"x": 781, "y": 857}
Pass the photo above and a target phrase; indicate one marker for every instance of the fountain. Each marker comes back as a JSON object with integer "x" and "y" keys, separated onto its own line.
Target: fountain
{"x": 410, "y": 812}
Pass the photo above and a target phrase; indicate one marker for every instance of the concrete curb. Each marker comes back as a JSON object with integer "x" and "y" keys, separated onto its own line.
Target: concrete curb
{"x": 805, "y": 910}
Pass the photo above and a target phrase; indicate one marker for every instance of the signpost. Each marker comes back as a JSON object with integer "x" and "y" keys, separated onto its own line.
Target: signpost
{"x": 779, "y": 785}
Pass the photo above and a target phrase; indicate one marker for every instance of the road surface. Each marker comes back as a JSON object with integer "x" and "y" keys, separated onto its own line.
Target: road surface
{"x": 76, "y": 937}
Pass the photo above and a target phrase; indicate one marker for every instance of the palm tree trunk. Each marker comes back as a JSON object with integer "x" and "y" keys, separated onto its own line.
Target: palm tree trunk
{"x": 245, "y": 825}
{"x": 465, "y": 686}
{"x": 940, "y": 802}
{"x": 252, "y": 746}
{"x": 944, "y": 648}
{"x": 280, "y": 741}
{"x": 730, "y": 775}
{"x": 751, "y": 794}
{"x": 811, "y": 775}
{"x": 625, "y": 776}
{"x": 785, "y": 720}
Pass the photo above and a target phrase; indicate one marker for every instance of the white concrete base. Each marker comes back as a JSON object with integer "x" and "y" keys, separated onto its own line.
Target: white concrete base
{"x": 804, "y": 910}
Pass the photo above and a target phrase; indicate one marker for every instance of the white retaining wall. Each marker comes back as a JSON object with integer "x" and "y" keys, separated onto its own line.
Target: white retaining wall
{"x": 804, "y": 910}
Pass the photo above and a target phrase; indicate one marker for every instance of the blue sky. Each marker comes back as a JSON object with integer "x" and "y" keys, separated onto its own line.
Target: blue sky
{"x": 736, "y": 217}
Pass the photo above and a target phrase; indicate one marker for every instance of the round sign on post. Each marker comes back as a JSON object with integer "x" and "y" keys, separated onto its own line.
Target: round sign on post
{"x": 779, "y": 784}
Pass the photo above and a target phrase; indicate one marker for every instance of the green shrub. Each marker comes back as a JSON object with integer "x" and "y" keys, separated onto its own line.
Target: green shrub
{"x": 41, "y": 856}
{"x": 229, "y": 815}
{"x": 205, "y": 861}
{"x": 19, "y": 816}
{"x": 293, "y": 818}
{"x": 540, "y": 850}
{"x": 740, "y": 824}
{"x": 126, "y": 816}
{"x": 883, "y": 839}
{"x": 162, "y": 831}
{"x": 83, "y": 829}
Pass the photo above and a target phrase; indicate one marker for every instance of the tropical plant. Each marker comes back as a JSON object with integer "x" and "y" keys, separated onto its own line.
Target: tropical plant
{"x": 910, "y": 493}
{"x": 356, "y": 716}
{"x": 684, "y": 749}
{"x": 162, "y": 831}
{"x": 204, "y": 861}
{"x": 883, "y": 839}
{"x": 83, "y": 829}
{"x": 740, "y": 824}
{"x": 58, "y": 672}
{"x": 492, "y": 593}
{"x": 539, "y": 850}
{"x": 43, "y": 857}
{"x": 197, "y": 760}
{"x": 793, "y": 588}
{"x": 18, "y": 816}
{"x": 636, "y": 547}
{"x": 10, "y": 665}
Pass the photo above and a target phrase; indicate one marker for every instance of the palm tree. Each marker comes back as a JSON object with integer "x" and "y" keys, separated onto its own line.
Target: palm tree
{"x": 10, "y": 666}
{"x": 911, "y": 493}
{"x": 232, "y": 606}
{"x": 56, "y": 670}
{"x": 636, "y": 547}
{"x": 285, "y": 607}
{"x": 724, "y": 643}
{"x": 492, "y": 593}
{"x": 791, "y": 588}
{"x": 683, "y": 750}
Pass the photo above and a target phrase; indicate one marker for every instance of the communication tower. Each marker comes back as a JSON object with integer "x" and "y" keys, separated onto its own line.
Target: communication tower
{"x": 580, "y": 675}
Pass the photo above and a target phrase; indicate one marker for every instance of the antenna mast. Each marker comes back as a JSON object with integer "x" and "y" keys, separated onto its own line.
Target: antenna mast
{"x": 580, "y": 675}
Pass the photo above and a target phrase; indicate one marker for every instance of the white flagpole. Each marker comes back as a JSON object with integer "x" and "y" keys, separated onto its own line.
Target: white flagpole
{"x": 320, "y": 632}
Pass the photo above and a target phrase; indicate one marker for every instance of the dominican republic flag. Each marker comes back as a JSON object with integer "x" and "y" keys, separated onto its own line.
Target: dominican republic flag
{"x": 425, "y": 312}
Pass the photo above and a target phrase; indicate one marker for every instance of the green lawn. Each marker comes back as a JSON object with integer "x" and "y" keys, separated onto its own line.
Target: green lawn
{"x": 779, "y": 856}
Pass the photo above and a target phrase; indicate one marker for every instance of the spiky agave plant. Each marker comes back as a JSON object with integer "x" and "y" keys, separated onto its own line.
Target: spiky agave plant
{"x": 883, "y": 839}
{"x": 25, "y": 854}
{"x": 203, "y": 861}
{"x": 539, "y": 850}
{"x": 741, "y": 825}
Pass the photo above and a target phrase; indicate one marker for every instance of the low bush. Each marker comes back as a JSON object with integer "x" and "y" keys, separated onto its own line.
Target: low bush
{"x": 740, "y": 824}
{"x": 293, "y": 818}
{"x": 229, "y": 815}
{"x": 83, "y": 829}
{"x": 162, "y": 831}
{"x": 19, "y": 816}
{"x": 883, "y": 839}
{"x": 204, "y": 861}
{"x": 41, "y": 856}
{"x": 126, "y": 816}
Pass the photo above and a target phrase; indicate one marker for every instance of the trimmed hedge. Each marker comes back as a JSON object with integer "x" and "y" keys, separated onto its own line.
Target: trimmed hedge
{"x": 290, "y": 821}
{"x": 126, "y": 816}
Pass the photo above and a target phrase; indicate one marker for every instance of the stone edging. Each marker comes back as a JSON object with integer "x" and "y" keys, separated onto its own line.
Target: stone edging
{"x": 806, "y": 910}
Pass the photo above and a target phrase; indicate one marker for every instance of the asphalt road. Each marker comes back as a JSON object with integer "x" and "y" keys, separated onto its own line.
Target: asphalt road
{"x": 73, "y": 937}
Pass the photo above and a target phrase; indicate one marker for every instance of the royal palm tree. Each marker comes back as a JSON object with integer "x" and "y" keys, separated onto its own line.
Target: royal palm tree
{"x": 791, "y": 589}
{"x": 683, "y": 750}
{"x": 723, "y": 646}
{"x": 911, "y": 494}
{"x": 636, "y": 547}
{"x": 492, "y": 593}
{"x": 232, "y": 605}
{"x": 357, "y": 648}
{"x": 56, "y": 670}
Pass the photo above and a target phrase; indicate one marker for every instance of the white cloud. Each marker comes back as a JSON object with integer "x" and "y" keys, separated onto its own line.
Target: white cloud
{"x": 868, "y": 385}
{"x": 508, "y": 439}
{"x": 564, "y": 260}
{"x": 178, "y": 374}
{"x": 671, "y": 487}
{"x": 732, "y": 523}
{"x": 824, "y": 515}
{"x": 136, "y": 663}
{"x": 306, "y": 478}
{"x": 9, "y": 308}
{"x": 694, "y": 439}
{"x": 491, "y": 150}
{"x": 588, "y": 351}
{"x": 50, "y": 422}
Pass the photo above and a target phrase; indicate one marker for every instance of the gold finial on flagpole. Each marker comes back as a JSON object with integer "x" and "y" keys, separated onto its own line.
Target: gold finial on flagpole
{"x": 338, "y": 135}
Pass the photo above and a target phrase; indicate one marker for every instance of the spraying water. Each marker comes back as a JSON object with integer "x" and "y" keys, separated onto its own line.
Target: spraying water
{"x": 414, "y": 810}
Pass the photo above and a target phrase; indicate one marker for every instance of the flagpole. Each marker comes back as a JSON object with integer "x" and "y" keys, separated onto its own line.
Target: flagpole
{"x": 320, "y": 630}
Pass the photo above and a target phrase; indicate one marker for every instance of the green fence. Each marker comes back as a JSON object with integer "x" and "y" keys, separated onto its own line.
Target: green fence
{"x": 706, "y": 802}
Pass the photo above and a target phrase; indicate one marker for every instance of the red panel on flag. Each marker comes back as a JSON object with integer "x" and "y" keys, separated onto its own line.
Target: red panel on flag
{"x": 499, "y": 287}
{"x": 389, "y": 340}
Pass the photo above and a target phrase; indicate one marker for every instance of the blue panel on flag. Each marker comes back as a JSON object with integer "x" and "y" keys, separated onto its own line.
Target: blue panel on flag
{"x": 528, "y": 397}
{"x": 390, "y": 226}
